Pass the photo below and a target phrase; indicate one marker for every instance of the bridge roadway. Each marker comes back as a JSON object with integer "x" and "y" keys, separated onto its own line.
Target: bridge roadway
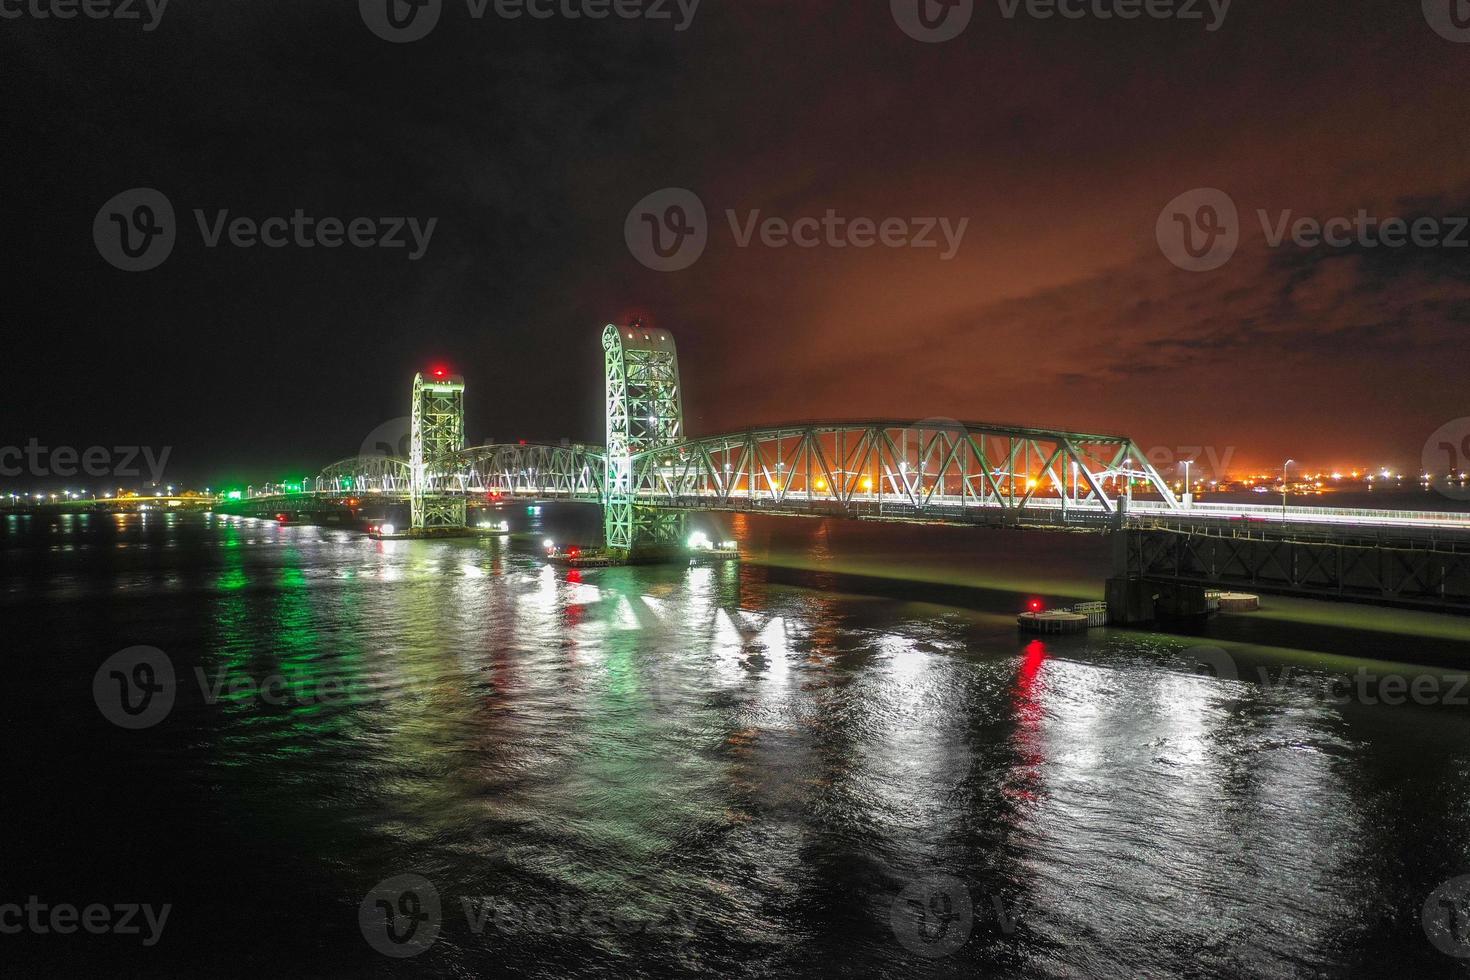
{"x": 1038, "y": 512}
{"x": 1163, "y": 558}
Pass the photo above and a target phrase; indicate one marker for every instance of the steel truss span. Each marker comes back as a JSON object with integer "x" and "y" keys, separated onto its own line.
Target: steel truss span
{"x": 533, "y": 470}
{"x": 966, "y": 472}
{"x": 529, "y": 470}
{"x": 366, "y": 474}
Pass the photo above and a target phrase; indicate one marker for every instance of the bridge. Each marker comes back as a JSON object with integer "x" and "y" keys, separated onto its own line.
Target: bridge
{"x": 650, "y": 473}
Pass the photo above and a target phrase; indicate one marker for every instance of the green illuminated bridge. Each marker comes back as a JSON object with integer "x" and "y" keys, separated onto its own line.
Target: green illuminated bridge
{"x": 651, "y": 473}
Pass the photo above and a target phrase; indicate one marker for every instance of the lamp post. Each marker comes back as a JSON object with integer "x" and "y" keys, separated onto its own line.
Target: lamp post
{"x": 1283, "y": 487}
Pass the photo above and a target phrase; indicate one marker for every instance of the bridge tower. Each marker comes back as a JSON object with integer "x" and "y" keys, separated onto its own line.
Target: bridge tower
{"x": 645, "y": 410}
{"x": 438, "y": 430}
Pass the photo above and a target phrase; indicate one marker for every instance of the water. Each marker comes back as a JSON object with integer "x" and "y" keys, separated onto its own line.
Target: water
{"x": 731, "y": 770}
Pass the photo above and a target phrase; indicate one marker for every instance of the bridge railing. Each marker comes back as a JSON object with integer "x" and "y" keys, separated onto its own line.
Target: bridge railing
{"x": 1336, "y": 516}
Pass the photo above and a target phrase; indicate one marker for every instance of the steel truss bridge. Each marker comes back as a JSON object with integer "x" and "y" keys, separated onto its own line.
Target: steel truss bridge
{"x": 650, "y": 473}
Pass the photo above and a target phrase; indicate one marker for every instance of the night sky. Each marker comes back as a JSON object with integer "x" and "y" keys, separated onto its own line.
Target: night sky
{"x": 1059, "y": 140}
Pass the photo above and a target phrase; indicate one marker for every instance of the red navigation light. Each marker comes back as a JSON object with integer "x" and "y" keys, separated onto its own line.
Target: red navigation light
{"x": 281, "y": 518}
{"x": 439, "y": 372}
{"x": 1035, "y": 605}
{"x": 574, "y": 552}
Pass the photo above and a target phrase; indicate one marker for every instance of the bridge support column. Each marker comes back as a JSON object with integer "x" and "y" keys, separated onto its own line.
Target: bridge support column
{"x": 1134, "y": 600}
{"x": 645, "y": 411}
{"x": 1130, "y": 601}
{"x": 1175, "y": 602}
{"x": 438, "y": 432}
{"x": 1130, "y": 598}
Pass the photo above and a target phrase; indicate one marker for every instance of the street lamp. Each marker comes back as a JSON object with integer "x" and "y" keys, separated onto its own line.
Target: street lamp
{"x": 1283, "y": 487}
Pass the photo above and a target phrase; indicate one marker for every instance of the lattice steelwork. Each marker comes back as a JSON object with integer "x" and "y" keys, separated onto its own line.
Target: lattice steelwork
{"x": 437, "y": 434}
{"x": 645, "y": 411}
{"x": 571, "y": 472}
{"x": 366, "y": 474}
{"x": 942, "y": 469}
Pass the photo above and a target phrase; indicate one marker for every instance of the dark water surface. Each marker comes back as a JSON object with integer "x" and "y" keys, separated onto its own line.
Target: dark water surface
{"x": 736, "y": 770}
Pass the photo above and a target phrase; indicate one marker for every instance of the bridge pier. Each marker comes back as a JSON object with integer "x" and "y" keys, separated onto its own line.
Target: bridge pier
{"x": 1130, "y": 598}
{"x": 1134, "y": 600}
{"x": 1130, "y": 601}
{"x": 438, "y": 433}
{"x": 645, "y": 411}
